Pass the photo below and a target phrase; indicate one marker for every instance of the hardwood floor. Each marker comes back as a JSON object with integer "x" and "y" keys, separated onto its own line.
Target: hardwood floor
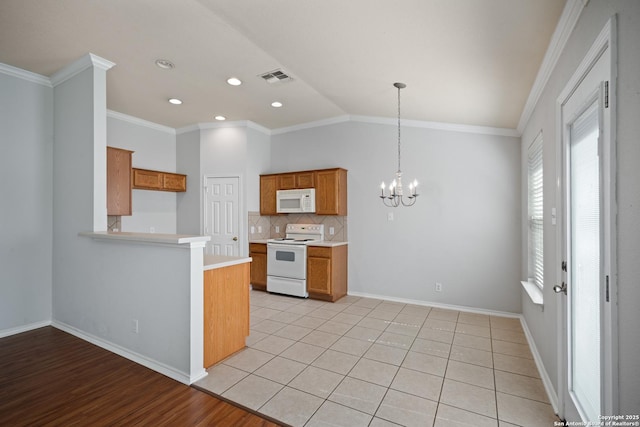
{"x": 48, "y": 377}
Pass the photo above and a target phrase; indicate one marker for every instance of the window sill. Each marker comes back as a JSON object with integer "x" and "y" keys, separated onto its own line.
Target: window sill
{"x": 534, "y": 292}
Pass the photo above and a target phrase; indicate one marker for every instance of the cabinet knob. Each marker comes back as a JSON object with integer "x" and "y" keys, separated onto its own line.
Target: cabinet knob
{"x": 235, "y": 239}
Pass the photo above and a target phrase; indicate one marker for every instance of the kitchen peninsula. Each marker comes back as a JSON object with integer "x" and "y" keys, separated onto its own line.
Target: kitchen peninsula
{"x": 165, "y": 320}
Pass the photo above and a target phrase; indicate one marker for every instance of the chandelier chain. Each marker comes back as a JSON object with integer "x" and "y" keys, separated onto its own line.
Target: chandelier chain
{"x": 399, "y": 170}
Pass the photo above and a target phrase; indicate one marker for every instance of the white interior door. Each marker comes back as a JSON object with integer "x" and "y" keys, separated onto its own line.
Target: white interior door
{"x": 221, "y": 215}
{"x": 588, "y": 345}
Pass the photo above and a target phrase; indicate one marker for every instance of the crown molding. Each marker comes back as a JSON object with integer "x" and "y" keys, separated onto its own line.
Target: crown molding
{"x": 309, "y": 125}
{"x": 566, "y": 24}
{"x": 140, "y": 122}
{"x": 78, "y": 66}
{"x": 25, "y": 75}
{"x": 451, "y": 127}
{"x": 220, "y": 125}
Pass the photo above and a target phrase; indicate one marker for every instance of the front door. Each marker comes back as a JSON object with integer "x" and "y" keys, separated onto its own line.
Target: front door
{"x": 586, "y": 316}
{"x": 221, "y": 215}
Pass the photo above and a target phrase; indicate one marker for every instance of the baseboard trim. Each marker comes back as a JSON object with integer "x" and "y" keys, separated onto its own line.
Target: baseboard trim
{"x": 128, "y": 354}
{"x": 546, "y": 380}
{"x": 437, "y": 304}
{"x": 24, "y": 328}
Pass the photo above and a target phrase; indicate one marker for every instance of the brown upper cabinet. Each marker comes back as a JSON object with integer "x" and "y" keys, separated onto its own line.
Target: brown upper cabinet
{"x": 331, "y": 192}
{"x": 118, "y": 181}
{"x": 268, "y": 188}
{"x": 289, "y": 181}
{"x": 330, "y": 185}
{"x": 144, "y": 179}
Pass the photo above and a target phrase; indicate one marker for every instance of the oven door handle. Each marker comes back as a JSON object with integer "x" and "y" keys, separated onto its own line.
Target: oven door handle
{"x": 284, "y": 246}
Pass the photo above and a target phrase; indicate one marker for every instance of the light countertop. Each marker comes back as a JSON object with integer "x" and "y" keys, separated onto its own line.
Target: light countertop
{"x": 157, "y": 238}
{"x": 212, "y": 262}
{"x": 328, "y": 243}
{"x": 324, "y": 243}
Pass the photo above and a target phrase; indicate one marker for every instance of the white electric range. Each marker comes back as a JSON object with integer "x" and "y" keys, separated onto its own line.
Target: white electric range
{"x": 287, "y": 259}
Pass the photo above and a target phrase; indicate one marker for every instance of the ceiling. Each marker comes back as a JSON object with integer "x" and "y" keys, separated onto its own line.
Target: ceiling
{"x": 467, "y": 62}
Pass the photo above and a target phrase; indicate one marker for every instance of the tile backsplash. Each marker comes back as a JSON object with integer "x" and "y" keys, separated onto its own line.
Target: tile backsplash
{"x": 114, "y": 223}
{"x": 268, "y": 225}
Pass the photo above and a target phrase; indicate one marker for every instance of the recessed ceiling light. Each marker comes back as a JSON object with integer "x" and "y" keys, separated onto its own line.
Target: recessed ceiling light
{"x": 220, "y": 118}
{"x": 165, "y": 64}
{"x": 234, "y": 81}
{"x": 175, "y": 101}
{"x": 276, "y": 104}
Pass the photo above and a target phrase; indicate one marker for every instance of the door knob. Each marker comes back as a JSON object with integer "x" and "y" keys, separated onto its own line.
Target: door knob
{"x": 560, "y": 288}
{"x": 235, "y": 239}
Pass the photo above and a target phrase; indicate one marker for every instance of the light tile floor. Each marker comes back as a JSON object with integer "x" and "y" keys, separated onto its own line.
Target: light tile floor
{"x": 368, "y": 362}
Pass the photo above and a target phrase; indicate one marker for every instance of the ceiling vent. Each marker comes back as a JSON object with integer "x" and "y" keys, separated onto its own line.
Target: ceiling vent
{"x": 276, "y": 76}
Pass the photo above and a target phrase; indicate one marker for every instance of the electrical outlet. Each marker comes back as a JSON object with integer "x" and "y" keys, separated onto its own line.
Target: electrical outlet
{"x": 152, "y": 229}
{"x": 438, "y": 287}
{"x": 253, "y": 229}
{"x": 332, "y": 231}
{"x": 259, "y": 229}
{"x": 134, "y": 326}
{"x": 277, "y": 229}
{"x": 390, "y": 216}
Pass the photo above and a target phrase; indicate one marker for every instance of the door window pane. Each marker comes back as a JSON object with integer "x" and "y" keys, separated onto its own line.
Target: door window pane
{"x": 585, "y": 275}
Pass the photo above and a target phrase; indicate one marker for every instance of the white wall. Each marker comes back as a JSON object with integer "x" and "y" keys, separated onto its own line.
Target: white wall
{"x": 26, "y": 120}
{"x": 258, "y": 162}
{"x": 189, "y": 208}
{"x": 100, "y": 287}
{"x": 221, "y": 151}
{"x": 543, "y": 324}
{"x": 464, "y": 230}
{"x": 154, "y": 148}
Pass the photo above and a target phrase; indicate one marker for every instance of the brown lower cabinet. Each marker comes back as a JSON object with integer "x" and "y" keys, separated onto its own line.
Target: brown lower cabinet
{"x": 226, "y": 311}
{"x": 327, "y": 272}
{"x": 258, "y": 253}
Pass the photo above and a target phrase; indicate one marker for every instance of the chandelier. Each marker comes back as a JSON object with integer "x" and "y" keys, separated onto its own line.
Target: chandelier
{"x": 396, "y": 196}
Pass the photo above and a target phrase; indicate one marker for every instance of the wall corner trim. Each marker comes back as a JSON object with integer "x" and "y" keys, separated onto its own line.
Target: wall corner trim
{"x": 79, "y": 65}
{"x": 566, "y": 24}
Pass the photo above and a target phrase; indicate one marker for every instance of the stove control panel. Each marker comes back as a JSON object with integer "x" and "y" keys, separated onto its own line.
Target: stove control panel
{"x": 305, "y": 228}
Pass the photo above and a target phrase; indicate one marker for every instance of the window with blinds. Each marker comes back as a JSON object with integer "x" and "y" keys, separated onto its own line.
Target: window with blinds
{"x": 535, "y": 212}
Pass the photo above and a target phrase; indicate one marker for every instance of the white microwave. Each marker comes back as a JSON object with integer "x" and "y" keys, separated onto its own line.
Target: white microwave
{"x": 296, "y": 201}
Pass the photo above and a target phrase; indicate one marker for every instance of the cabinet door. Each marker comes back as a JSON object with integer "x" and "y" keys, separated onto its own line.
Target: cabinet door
{"x": 287, "y": 181}
{"x": 174, "y": 182}
{"x": 268, "y": 188}
{"x": 226, "y": 311}
{"x": 258, "y": 253}
{"x": 118, "y": 181}
{"x": 147, "y": 179}
{"x": 331, "y": 192}
{"x": 305, "y": 180}
{"x": 319, "y": 275}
